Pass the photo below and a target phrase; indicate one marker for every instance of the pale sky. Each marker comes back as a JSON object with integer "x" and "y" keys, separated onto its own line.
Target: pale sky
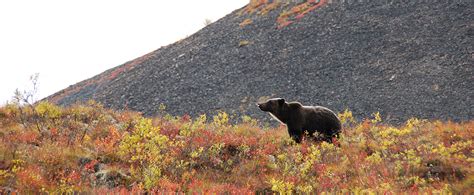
{"x": 68, "y": 41}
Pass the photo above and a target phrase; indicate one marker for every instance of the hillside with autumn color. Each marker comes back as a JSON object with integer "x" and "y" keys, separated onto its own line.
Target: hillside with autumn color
{"x": 400, "y": 58}
{"x": 88, "y": 148}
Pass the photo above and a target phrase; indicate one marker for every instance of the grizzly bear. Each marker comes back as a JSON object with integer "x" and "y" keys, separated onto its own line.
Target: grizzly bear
{"x": 303, "y": 119}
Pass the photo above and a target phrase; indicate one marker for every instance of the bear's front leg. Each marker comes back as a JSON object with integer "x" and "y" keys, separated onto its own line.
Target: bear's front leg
{"x": 329, "y": 138}
{"x": 296, "y": 134}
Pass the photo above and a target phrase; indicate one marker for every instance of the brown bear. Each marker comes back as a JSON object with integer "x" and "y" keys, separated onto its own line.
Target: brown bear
{"x": 303, "y": 119}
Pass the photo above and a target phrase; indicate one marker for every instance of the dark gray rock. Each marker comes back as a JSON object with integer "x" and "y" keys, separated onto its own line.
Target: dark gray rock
{"x": 84, "y": 161}
{"x": 400, "y": 58}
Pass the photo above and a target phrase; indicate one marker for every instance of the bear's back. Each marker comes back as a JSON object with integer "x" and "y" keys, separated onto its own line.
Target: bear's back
{"x": 321, "y": 119}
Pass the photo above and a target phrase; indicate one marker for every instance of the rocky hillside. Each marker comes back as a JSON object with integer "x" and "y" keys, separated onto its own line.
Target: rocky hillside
{"x": 403, "y": 59}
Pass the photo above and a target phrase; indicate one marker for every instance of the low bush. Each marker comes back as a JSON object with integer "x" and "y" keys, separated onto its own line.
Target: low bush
{"x": 88, "y": 148}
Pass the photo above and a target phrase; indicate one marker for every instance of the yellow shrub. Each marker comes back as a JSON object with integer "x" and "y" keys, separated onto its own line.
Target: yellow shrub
{"x": 221, "y": 119}
{"x": 197, "y": 153}
{"x": 281, "y": 186}
{"x": 145, "y": 147}
{"x": 346, "y": 117}
{"x": 377, "y": 118}
{"x": 48, "y": 110}
{"x": 375, "y": 158}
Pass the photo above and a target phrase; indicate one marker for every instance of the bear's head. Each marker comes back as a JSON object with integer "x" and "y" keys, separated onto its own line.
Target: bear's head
{"x": 272, "y": 105}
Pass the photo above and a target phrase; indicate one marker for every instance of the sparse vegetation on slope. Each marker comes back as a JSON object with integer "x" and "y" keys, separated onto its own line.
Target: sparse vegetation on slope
{"x": 290, "y": 12}
{"x": 87, "y": 148}
{"x": 400, "y": 58}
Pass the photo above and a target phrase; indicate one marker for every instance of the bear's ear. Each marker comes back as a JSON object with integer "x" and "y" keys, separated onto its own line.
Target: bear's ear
{"x": 281, "y": 101}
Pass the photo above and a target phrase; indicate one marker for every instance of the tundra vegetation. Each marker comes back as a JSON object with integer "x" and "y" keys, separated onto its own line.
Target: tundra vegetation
{"x": 88, "y": 148}
{"x": 289, "y": 14}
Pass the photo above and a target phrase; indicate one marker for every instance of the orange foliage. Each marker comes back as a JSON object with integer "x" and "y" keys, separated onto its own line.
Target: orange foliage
{"x": 31, "y": 178}
{"x": 296, "y": 12}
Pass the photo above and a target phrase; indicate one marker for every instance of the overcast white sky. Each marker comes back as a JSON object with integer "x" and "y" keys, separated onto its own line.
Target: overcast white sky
{"x": 69, "y": 41}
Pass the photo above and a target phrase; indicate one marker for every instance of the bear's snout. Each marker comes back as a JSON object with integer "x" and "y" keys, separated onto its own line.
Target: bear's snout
{"x": 262, "y": 107}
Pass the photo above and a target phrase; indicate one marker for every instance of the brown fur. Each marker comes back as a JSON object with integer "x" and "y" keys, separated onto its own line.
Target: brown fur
{"x": 300, "y": 119}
